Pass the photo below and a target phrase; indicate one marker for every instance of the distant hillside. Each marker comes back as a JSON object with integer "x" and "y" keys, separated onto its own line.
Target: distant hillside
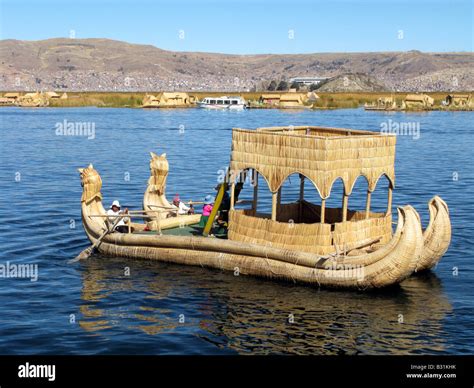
{"x": 351, "y": 83}
{"x": 108, "y": 65}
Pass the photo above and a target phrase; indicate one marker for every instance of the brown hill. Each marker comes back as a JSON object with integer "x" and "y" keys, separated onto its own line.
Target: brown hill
{"x": 351, "y": 83}
{"x": 103, "y": 64}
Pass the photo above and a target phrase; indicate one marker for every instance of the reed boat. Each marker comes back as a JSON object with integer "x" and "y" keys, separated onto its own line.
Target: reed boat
{"x": 302, "y": 242}
{"x": 33, "y": 100}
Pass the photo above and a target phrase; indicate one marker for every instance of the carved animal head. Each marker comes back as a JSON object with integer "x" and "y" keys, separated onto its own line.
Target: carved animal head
{"x": 159, "y": 168}
{"x": 158, "y": 164}
{"x": 91, "y": 183}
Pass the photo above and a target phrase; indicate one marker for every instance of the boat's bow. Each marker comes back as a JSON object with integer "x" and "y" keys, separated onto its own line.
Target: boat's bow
{"x": 436, "y": 236}
{"x": 388, "y": 265}
{"x": 91, "y": 202}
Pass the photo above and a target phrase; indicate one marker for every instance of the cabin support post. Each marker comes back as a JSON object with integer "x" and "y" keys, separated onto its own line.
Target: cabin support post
{"x": 389, "y": 201}
{"x": 300, "y": 210}
{"x": 255, "y": 190}
{"x": 274, "y": 205}
{"x": 323, "y": 210}
{"x": 345, "y": 200}
{"x": 279, "y": 199}
{"x": 301, "y": 187}
{"x": 367, "y": 204}
{"x": 232, "y": 194}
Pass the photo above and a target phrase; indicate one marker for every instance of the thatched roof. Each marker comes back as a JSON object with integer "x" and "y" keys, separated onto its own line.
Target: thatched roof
{"x": 52, "y": 95}
{"x": 297, "y": 97}
{"x": 422, "y": 98}
{"x": 165, "y": 96}
{"x": 273, "y": 96}
{"x": 460, "y": 96}
{"x": 320, "y": 154}
{"x": 32, "y": 95}
{"x": 11, "y": 95}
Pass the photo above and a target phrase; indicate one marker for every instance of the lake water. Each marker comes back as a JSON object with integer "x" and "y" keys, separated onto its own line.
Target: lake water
{"x": 92, "y": 307}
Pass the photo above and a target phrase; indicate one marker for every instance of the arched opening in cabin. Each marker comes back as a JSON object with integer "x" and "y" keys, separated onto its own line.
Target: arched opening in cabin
{"x": 358, "y": 195}
{"x": 381, "y": 197}
{"x": 298, "y": 201}
{"x": 334, "y": 203}
{"x": 252, "y": 193}
{"x": 359, "y": 199}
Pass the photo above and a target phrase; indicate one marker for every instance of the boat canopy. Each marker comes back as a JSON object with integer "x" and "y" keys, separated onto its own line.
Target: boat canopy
{"x": 320, "y": 154}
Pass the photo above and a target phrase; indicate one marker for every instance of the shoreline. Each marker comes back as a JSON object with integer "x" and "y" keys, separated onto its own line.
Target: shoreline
{"x": 326, "y": 100}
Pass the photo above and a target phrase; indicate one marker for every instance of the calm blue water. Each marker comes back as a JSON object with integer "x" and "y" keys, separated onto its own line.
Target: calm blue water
{"x": 93, "y": 308}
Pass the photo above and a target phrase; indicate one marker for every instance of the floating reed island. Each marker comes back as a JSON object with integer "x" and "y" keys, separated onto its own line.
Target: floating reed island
{"x": 301, "y": 241}
{"x": 299, "y": 100}
{"x": 417, "y": 102}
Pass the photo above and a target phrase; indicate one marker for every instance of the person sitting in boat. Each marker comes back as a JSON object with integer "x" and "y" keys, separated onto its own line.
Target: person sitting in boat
{"x": 114, "y": 211}
{"x": 181, "y": 208}
{"x": 206, "y": 211}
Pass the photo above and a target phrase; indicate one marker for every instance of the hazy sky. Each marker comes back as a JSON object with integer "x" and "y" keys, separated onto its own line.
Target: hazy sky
{"x": 247, "y": 27}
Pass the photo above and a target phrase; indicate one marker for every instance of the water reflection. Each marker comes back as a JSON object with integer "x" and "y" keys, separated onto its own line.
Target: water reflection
{"x": 247, "y": 315}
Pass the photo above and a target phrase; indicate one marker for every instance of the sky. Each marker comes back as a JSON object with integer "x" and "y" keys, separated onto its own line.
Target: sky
{"x": 250, "y": 27}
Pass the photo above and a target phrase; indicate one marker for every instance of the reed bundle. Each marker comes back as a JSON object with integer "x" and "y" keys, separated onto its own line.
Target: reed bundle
{"x": 317, "y": 238}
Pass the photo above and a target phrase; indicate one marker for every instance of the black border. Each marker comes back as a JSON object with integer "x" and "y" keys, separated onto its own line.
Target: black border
{"x": 327, "y": 371}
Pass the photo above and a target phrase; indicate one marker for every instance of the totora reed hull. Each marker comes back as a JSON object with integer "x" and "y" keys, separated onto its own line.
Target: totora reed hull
{"x": 388, "y": 265}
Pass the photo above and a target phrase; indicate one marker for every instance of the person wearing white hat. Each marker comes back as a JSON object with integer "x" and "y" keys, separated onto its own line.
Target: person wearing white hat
{"x": 115, "y": 211}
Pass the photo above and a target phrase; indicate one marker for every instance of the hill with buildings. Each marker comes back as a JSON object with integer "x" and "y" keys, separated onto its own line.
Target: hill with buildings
{"x": 106, "y": 65}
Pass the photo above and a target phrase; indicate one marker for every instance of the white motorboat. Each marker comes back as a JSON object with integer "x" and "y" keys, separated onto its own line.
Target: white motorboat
{"x": 224, "y": 102}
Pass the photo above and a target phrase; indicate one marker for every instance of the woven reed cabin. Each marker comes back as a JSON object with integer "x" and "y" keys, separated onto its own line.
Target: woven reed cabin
{"x": 320, "y": 156}
{"x": 300, "y": 241}
{"x": 292, "y": 100}
{"x": 37, "y": 99}
{"x": 382, "y": 103}
{"x": 417, "y": 101}
{"x": 12, "y": 96}
{"x": 270, "y": 99}
{"x": 167, "y": 100}
{"x": 459, "y": 100}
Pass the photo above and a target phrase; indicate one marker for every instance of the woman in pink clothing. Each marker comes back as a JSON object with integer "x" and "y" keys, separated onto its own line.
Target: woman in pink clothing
{"x": 206, "y": 211}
